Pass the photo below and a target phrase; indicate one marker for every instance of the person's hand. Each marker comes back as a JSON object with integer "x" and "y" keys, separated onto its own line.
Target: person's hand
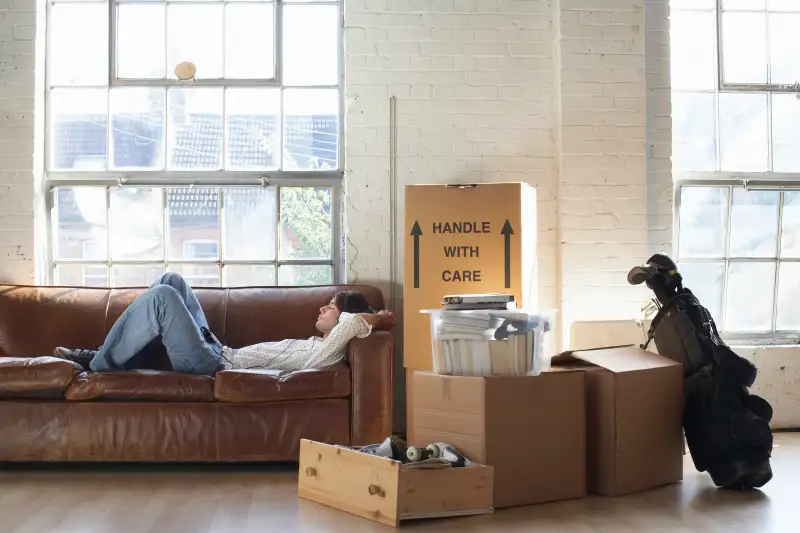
{"x": 387, "y": 320}
{"x": 381, "y": 320}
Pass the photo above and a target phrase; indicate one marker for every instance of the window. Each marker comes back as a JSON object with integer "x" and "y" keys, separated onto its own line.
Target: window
{"x": 736, "y": 158}
{"x": 230, "y": 179}
{"x": 740, "y": 253}
{"x": 212, "y": 236}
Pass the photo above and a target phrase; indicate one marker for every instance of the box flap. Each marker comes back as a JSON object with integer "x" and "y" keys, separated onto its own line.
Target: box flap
{"x": 620, "y": 359}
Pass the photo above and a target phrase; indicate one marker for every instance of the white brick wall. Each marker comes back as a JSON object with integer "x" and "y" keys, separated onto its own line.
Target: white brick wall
{"x": 555, "y": 93}
{"x": 658, "y": 121}
{"x": 476, "y": 103}
{"x": 17, "y": 41}
{"x": 602, "y": 178}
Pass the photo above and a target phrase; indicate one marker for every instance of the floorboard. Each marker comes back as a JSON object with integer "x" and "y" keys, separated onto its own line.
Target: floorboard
{"x": 247, "y": 499}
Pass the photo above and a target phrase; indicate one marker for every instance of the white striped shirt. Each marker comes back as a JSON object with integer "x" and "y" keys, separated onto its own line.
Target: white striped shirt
{"x": 300, "y": 354}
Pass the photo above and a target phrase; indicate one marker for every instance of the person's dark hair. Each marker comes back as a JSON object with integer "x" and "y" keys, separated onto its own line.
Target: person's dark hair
{"x": 352, "y": 302}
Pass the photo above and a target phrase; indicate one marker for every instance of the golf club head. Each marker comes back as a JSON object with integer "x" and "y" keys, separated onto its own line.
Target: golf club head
{"x": 658, "y": 265}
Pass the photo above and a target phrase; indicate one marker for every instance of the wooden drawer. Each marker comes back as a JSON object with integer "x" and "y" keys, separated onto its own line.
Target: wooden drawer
{"x": 381, "y": 490}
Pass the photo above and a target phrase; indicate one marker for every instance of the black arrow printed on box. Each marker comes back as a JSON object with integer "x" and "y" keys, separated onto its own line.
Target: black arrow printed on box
{"x": 507, "y": 231}
{"x": 416, "y": 231}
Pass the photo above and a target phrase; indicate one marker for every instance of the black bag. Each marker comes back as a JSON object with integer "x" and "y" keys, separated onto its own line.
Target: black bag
{"x": 727, "y": 429}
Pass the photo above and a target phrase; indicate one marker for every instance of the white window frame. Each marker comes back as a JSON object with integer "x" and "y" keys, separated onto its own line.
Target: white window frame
{"x": 755, "y": 181}
{"x": 760, "y": 338}
{"x": 221, "y": 179}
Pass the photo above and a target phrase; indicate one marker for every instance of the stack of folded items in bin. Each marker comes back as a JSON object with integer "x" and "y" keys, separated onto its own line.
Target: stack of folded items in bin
{"x": 486, "y": 342}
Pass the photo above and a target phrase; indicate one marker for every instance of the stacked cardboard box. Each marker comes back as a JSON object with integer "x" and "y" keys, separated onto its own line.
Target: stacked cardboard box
{"x": 462, "y": 239}
{"x": 604, "y": 421}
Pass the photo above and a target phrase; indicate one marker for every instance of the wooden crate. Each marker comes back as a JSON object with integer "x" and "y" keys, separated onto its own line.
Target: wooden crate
{"x": 379, "y": 489}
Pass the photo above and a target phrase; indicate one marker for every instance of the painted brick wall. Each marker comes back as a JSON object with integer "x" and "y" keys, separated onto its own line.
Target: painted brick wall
{"x": 569, "y": 95}
{"x": 602, "y": 156}
{"x": 17, "y": 42}
{"x": 475, "y": 103}
{"x": 658, "y": 122}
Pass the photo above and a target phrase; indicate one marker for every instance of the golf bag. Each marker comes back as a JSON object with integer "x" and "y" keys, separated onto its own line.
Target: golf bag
{"x": 727, "y": 428}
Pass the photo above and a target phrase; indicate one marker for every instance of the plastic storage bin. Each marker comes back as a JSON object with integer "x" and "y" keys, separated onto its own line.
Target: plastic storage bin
{"x": 491, "y": 342}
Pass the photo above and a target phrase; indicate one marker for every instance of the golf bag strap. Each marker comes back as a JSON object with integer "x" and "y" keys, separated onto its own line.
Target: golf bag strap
{"x": 666, "y": 308}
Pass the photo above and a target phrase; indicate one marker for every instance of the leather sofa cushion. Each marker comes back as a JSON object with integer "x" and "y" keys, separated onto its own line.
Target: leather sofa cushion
{"x": 255, "y": 385}
{"x": 141, "y": 385}
{"x": 35, "y": 377}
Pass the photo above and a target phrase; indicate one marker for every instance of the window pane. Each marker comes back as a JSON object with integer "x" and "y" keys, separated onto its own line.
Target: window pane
{"x": 790, "y": 232}
{"x": 79, "y": 44}
{"x": 198, "y": 275}
{"x": 788, "y": 296}
{"x": 783, "y": 49}
{"x": 137, "y": 126}
{"x": 194, "y": 33}
{"x": 141, "y": 47}
{"x": 249, "y": 275}
{"x": 79, "y": 129}
{"x": 703, "y": 221}
{"x": 250, "y": 220}
{"x": 249, "y": 40}
{"x": 694, "y": 131}
{"x": 193, "y": 219}
{"x": 785, "y": 133}
{"x": 137, "y": 229}
{"x": 306, "y": 223}
{"x": 80, "y": 223}
{"x": 706, "y": 280}
{"x": 750, "y": 294}
{"x": 311, "y": 129}
{"x": 754, "y": 223}
{"x": 305, "y": 275}
{"x": 744, "y": 47}
{"x": 784, "y": 5}
{"x": 693, "y": 42}
{"x": 135, "y": 275}
{"x": 253, "y": 117}
{"x": 82, "y": 275}
{"x": 743, "y": 132}
{"x": 743, "y": 4}
{"x": 194, "y": 130}
{"x": 311, "y": 45}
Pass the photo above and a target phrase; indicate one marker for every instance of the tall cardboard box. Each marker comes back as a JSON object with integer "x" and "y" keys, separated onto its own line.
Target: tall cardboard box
{"x": 478, "y": 238}
{"x": 531, "y": 429}
{"x": 634, "y": 412}
{"x": 464, "y": 239}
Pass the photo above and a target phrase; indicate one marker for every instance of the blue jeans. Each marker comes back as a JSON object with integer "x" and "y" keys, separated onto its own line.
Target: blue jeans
{"x": 170, "y": 309}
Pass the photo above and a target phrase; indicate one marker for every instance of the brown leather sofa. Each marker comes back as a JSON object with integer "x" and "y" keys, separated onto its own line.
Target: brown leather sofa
{"x": 51, "y": 411}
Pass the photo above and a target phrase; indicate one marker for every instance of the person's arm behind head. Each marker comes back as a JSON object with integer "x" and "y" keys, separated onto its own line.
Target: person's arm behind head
{"x": 330, "y": 350}
{"x": 380, "y": 320}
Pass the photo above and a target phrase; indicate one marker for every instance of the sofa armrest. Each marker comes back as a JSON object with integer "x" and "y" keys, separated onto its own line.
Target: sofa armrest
{"x": 371, "y": 362}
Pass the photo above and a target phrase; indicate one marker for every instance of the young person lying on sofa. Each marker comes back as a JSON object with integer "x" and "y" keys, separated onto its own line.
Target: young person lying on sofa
{"x": 170, "y": 308}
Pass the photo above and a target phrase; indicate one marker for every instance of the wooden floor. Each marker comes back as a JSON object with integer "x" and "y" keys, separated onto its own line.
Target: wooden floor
{"x": 243, "y": 499}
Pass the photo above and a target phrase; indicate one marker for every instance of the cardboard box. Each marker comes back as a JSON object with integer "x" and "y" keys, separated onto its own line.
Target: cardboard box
{"x": 589, "y": 334}
{"x": 634, "y": 413}
{"x": 531, "y": 430}
{"x": 382, "y": 490}
{"x": 410, "y": 437}
{"x": 464, "y": 239}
